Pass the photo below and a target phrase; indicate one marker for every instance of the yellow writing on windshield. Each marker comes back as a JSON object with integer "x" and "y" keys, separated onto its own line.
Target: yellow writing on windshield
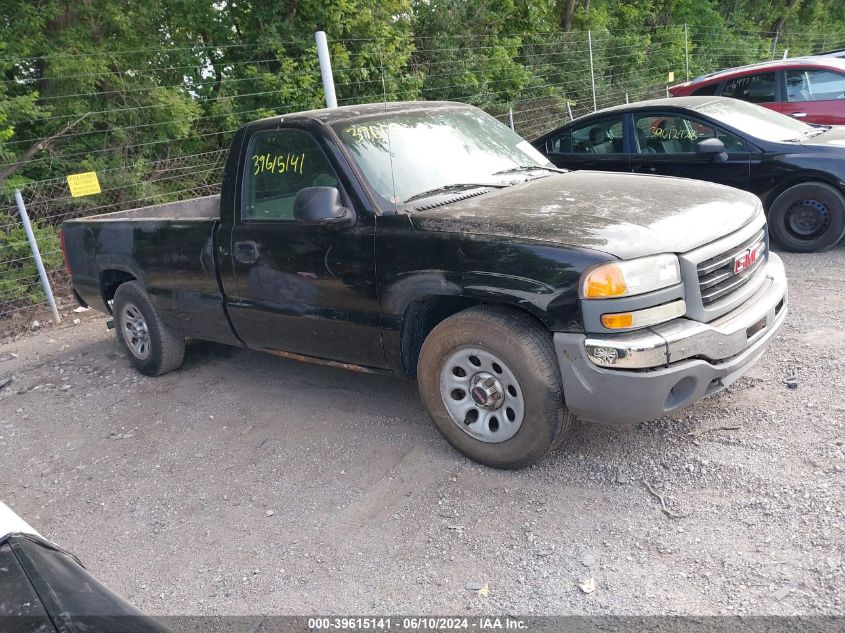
{"x": 278, "y": 163}
{"x": 368, "y": 132}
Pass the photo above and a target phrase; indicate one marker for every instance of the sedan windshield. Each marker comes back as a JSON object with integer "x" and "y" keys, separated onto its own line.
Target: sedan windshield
{"x": 756, "y": 120}
{"x": 412, "y": 155}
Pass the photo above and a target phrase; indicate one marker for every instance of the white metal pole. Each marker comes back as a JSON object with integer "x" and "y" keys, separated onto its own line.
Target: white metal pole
{"x": 326, "y": 68}
{"x": 686, "y": 49}
{"x": 592, "y": 71}
{"x": 510, "y": 117}
{"x": 33, "y": 245}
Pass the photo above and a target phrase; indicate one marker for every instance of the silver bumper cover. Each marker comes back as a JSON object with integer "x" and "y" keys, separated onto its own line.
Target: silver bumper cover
{"x": 638, "y": 376}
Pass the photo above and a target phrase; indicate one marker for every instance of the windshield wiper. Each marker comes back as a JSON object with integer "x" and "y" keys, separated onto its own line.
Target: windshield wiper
{"x": 455, "y": 187}
{"x": 513, "y": 170}
{"x": 811, "y": 133}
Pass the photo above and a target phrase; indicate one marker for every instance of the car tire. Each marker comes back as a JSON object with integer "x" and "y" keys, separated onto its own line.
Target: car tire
{"x": 153, "y": 349}
{"x": 520, "y": 415}
{"x": 808, "y": 218}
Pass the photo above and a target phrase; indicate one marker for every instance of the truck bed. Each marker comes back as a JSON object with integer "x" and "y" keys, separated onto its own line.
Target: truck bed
{"x": 202, "y": 208}
{"x": 169, "y": 248}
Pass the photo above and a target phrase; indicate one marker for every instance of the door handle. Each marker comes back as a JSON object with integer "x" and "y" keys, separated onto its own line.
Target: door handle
{"x": 798, "y": 115}
{"x": 246, "y": 252}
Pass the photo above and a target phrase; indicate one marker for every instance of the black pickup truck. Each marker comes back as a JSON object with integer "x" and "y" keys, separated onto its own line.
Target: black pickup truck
{"x": 429, "y": 240}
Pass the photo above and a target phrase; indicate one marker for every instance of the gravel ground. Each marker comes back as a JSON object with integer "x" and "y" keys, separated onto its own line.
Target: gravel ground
{"x": 246, "y": 484}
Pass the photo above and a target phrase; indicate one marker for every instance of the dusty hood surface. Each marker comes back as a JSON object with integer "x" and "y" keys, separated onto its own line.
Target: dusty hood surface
{"x": 626, "y": 215}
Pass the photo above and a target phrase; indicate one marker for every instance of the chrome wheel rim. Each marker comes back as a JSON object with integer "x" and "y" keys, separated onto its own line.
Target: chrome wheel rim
{"x": 482, "y": 395}
{"x": 135, "y": 331}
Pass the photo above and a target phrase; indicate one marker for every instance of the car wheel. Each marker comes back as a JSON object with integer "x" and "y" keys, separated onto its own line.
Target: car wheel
{"x": 490, "y": 381}
{"x": 152, "y": 348}
{"x": 809, "y": 217}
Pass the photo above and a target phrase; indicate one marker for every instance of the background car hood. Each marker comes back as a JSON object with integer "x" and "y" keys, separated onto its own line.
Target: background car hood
{"x": 626, "y": 215}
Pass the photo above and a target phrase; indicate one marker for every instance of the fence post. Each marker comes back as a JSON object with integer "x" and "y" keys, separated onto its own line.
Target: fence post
{"x": 510, "y": 117}
{"x": 775, "y": 45}
{"x": 592, "y": 71}
{"x": 326, "y": 68}
{"x": 36, "y": 254}
{"x": 686, "y": 49}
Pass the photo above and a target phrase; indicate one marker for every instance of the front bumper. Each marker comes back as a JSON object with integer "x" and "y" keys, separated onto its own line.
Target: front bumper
{"x": 638, "y": 376}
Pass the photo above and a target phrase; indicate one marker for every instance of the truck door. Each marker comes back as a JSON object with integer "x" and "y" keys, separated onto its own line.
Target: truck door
{"x": 301, "y": 288}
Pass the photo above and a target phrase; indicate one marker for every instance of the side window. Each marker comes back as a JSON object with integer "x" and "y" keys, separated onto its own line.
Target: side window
{"x": 706, "y": 91}
{"x": 754, "y": 88}
{"x": 814, "y": 85}
{"x": 560, "y": 144}
{"x": 672, "y": 134}
{"x": 279, "y": 164}
{"x": 603, "y": 137}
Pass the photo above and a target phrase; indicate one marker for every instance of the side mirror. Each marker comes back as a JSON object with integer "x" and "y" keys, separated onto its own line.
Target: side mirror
{"x": 321, "y": 206}
{"x": 712, "y": 148}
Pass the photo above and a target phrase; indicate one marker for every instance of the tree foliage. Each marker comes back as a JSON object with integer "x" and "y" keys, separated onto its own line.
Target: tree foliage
{"x": 170, "y": 78}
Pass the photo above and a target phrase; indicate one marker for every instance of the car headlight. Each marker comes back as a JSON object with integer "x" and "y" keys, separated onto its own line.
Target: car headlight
{"x": 630, "y": 277}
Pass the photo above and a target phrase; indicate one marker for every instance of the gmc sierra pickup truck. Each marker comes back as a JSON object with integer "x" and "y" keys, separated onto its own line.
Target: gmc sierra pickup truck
{"x": 431, "y": 241}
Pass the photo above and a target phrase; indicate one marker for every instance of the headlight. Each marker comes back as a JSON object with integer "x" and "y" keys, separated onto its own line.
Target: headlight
{"x": 631, "y": 277}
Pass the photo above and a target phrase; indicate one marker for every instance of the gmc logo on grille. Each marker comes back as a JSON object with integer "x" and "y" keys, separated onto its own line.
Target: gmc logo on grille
{"x": 747, "y": 258}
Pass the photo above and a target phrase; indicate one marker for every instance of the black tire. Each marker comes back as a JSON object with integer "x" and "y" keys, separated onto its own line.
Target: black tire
{"x": 163, "y": 351}
{"x": 808, "y": 218}
{"x": 527, "y": 351}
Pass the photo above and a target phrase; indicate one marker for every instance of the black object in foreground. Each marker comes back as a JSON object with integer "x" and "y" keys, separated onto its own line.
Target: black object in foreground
{"x": 45, "y": 589}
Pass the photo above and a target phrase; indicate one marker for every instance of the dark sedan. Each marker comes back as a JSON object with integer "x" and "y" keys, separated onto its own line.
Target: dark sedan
{"x": 796, "y": 169}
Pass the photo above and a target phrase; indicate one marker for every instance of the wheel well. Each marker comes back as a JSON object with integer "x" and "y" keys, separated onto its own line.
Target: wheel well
{"x": 422, "y": 316}
{"x": 110, "y": 280}
{"x": 799, "y": 179}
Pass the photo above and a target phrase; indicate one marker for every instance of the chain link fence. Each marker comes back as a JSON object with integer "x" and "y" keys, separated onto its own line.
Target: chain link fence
{"x": 547, "y": 80}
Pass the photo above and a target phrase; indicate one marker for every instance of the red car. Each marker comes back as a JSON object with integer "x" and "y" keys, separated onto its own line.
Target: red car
{"x": 811, "y": 89}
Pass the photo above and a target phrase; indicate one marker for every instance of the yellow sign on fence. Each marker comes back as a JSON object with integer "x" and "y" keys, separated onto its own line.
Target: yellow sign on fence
{"x": 671, "y": 76}
{"x": 85, "y": 184}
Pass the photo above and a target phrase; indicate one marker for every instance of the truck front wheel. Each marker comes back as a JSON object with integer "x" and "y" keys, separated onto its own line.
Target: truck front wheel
{"x": 152, "y": 348}
{"x": 490, "y": 382}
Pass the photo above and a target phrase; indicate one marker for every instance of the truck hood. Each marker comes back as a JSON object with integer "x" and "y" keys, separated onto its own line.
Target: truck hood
{"x": 625, "y": 215}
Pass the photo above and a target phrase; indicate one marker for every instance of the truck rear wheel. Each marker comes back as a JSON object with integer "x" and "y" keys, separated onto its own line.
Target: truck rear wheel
{"x": 152, "y": 348}
{"x": 490, "y": 382}
{"x": 808, "y": 218}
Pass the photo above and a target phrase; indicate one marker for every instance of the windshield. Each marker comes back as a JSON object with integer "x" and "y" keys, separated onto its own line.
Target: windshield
{"x": 755, "y": 120}
{"x": 407, "y": 154}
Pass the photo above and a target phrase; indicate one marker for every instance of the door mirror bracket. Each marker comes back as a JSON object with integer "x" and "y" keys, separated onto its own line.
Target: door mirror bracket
{"x": 321, "y": 206}
{"x": 712, "y": 148}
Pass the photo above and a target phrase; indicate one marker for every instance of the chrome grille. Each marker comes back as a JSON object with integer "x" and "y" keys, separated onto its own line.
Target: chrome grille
{"x": 716, "y": 277}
